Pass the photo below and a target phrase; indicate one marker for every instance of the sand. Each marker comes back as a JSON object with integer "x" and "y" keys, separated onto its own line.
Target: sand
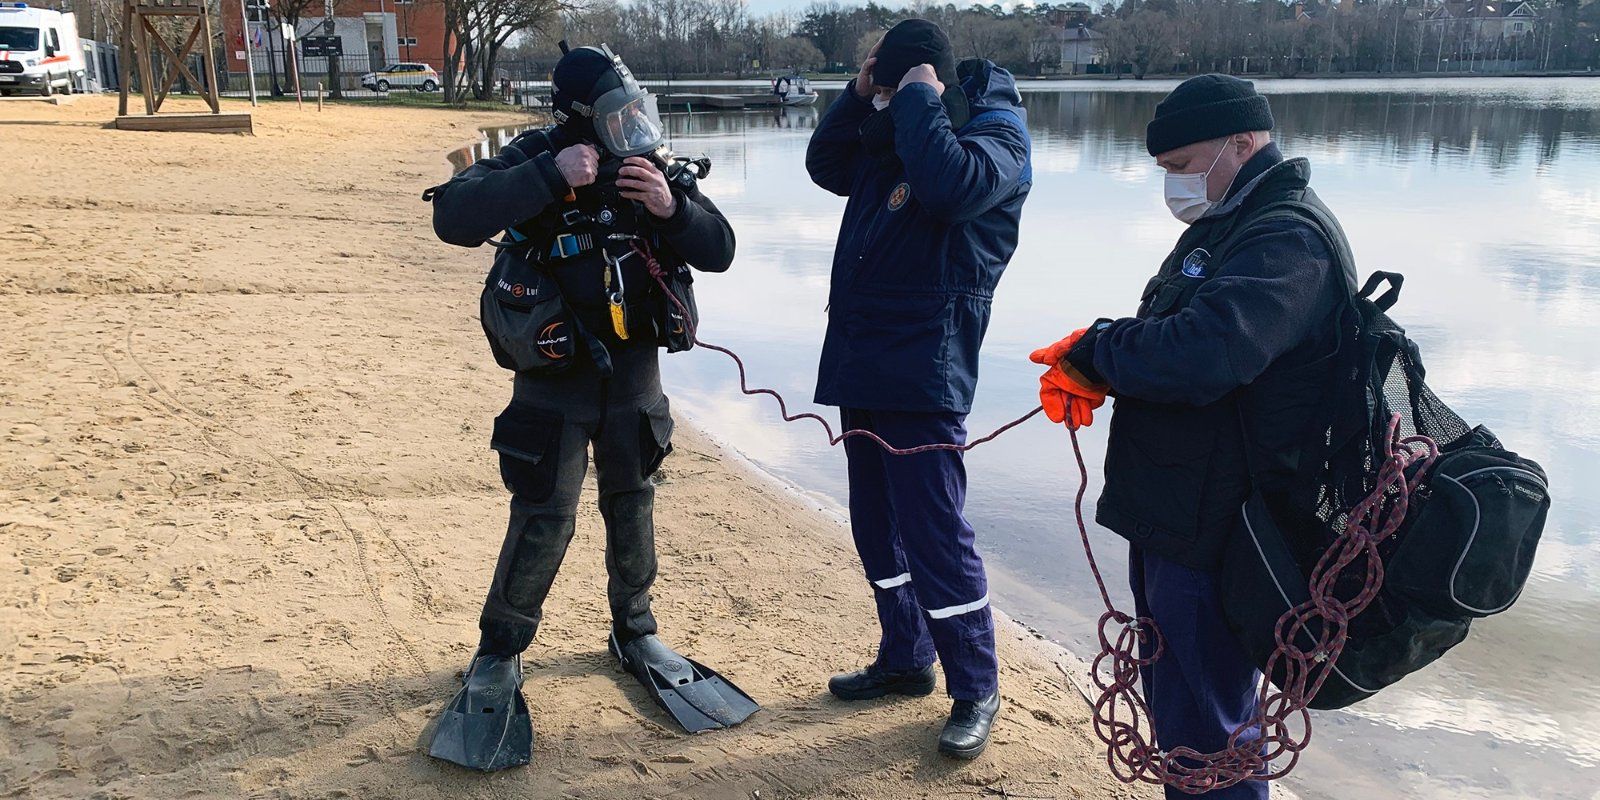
{"x": 248, "y": 512}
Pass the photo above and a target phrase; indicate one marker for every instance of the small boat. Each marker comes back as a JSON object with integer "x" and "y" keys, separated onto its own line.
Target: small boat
{"x": 793, "y": 90}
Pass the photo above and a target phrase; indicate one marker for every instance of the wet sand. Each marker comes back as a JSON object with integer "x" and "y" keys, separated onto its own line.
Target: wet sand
{"x": 248, "y": 510}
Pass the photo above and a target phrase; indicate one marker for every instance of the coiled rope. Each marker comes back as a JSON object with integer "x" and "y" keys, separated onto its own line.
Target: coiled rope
{"x": 1281, "y": 724}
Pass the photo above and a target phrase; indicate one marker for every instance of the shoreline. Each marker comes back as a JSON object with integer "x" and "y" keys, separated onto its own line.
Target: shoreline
{"x": 252, "y": 508}
{"x": 832, "y": 78}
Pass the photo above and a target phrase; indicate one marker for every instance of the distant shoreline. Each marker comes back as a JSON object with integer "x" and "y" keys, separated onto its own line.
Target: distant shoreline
{"x": 834, "y": 77}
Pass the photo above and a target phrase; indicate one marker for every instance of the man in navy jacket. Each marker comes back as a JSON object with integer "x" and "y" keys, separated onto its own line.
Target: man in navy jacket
{"x": 935, "y": 164}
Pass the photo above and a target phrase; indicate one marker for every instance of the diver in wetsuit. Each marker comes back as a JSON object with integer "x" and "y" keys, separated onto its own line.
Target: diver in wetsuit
{"x": 590, "y": 207}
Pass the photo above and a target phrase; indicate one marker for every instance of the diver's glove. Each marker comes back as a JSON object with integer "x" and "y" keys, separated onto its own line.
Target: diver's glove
{"x": 1067, "y": 396}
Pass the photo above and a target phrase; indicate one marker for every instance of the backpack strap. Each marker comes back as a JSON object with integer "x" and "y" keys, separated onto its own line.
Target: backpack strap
{"x": 1386, "y": 300}
{"x": 1313, "y": 214}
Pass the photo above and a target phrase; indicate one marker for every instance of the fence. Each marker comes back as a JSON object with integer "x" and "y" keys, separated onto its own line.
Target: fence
{"x": 100, "y": 66}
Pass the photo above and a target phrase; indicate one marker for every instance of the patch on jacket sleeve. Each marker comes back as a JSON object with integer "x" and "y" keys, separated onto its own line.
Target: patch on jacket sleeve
{"x": 898, "y": 197}
{"x": 1194, "y": 264}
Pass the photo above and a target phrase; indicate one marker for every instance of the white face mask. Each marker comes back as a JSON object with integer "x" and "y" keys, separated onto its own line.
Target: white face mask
{"x": 1186, "y": 193}
{"x": 880, "y": 102}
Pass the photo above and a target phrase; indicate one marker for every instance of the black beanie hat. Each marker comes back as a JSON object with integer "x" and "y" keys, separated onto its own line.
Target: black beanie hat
{"x": 1206, "y": 107}
{"x": 913, "y": 42}
{"x": 582, "y": 75}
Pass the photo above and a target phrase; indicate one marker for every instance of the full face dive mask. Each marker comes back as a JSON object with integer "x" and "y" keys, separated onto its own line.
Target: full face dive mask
{"x": 621, "y": 115}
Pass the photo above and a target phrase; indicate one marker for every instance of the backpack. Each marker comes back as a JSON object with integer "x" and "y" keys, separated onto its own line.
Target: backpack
{"x": 1464, "y": 550}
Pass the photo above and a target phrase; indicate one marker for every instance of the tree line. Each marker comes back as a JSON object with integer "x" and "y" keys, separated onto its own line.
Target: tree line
{"x": 515, "y": 39}
{"x": 678, "y": 38}
{"x": 1395, "y": 36}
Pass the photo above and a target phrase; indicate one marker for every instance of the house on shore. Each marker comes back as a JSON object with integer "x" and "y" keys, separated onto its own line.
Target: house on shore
{"x": 1484, "y": 29}
{"x": 1069, "y": 50}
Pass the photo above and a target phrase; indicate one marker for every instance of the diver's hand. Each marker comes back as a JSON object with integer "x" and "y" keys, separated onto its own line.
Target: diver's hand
{"x": 864, "y": 88}
{"x": 640, "y": 180}
{"x": 922, "y": 73}
{"x": 579, "y": 164}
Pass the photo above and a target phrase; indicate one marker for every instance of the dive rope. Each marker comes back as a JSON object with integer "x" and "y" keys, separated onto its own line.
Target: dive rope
{"x": 1121, "y": 717}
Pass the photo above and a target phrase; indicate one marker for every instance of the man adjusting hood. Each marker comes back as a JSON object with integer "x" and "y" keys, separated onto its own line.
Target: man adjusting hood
{"x": 934, "y": 158}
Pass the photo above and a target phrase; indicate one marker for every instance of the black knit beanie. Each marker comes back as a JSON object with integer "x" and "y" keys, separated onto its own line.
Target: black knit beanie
{"x": 913, "y": 42}
{"x": 1206, "y": 107}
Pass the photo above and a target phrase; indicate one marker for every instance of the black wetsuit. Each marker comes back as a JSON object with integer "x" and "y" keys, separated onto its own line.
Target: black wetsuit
{"x": 608, "y": 396}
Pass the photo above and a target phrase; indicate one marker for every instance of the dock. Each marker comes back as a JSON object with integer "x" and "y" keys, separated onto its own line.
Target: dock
{"x": 670, "y": 101}
{"x": 719, "y": 102}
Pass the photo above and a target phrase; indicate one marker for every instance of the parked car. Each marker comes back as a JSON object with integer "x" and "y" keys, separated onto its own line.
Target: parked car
{"x": 415, "y": 76}
{"x": 39, "y": 50}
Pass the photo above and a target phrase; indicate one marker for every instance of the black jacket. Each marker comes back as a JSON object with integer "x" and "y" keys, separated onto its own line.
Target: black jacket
{"x": 1221, "y": 372}
{"x": 522, "y": 180}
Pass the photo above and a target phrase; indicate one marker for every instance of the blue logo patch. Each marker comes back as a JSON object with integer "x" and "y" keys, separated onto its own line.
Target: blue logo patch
{"x": 1194, "y": 264}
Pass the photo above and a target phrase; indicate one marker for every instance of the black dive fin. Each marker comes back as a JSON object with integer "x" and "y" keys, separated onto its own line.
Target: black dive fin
{"x": 486, "y": 726}
{"x": 697, "y": 697}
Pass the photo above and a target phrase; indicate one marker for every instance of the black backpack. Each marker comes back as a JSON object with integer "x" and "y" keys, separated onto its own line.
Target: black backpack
{"x": 1464, "y": 550}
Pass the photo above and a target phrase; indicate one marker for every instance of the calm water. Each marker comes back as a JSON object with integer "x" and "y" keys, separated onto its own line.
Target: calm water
{"x": 1485, "y": 193}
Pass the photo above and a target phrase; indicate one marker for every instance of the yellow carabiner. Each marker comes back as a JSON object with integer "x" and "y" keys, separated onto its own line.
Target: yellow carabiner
{"x": 619, "y": 316}
{"x": 619, "y": 322}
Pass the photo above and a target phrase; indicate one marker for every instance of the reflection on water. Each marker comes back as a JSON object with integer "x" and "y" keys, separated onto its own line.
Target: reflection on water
{"x": 1485, "y": 193}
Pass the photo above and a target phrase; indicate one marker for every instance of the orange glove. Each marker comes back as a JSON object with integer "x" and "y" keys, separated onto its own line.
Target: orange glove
{"x": 1068, "y": 398}
{"x": 1054, "y": 353}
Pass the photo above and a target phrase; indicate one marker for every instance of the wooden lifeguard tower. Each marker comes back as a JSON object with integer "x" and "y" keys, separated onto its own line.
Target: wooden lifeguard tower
{"x": 139, "y": 35}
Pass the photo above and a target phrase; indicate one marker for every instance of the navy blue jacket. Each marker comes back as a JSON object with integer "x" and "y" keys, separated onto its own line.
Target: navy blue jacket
{"x": 921, "y": 247}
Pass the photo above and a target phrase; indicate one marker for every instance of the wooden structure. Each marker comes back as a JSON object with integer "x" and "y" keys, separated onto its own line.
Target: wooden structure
{"x": 141, "y": 39}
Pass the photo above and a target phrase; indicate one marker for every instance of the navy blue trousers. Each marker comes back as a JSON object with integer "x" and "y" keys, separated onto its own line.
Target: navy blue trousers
{"x": 1203, "y": 687}
{"x": 918, "y": 550}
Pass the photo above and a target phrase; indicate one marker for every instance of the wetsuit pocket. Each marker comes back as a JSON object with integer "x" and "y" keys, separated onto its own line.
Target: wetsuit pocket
{"x": 528, "y": 440}
{"x": 655, "y": 435}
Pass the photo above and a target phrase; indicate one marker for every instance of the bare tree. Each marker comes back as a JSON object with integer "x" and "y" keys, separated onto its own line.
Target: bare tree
{"x": 478, "y": 30}
{"x": 794, "y": 52}
{"x": 1145, "y": 39}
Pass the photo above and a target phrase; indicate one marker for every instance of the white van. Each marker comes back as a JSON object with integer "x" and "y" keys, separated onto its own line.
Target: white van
{"x": 39, "y": 50}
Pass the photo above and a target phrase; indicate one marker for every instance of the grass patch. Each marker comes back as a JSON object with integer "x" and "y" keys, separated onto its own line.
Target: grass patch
{"x": 406, "y": 99}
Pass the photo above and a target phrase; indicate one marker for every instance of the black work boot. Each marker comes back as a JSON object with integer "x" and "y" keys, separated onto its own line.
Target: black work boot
{"x": 967, "y": 732}
{"x": 873, "y": 682}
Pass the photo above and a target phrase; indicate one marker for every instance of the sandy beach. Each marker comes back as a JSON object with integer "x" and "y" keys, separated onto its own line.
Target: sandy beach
{"x": 248, "y": 510}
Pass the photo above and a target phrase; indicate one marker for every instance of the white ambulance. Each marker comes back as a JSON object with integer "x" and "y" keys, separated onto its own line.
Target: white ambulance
{"x": 39, "y": 50}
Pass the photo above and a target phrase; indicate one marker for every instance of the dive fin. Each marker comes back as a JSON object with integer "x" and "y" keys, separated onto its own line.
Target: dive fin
{"x": 697, "y": 697}
{"x": 486, "y": 727}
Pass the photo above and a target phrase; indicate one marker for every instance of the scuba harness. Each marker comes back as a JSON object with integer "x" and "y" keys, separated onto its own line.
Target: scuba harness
{"x": 595, "y": 251}
{"x": 599, "y": 221}
{"x": 597, "y": 245}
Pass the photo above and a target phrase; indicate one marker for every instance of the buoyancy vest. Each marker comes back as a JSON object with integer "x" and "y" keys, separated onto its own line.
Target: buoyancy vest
{"x": 1176, "y": 475}
{"x": 576, "y": 275}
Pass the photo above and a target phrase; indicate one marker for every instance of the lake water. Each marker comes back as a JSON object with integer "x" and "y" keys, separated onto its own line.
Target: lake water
{"x": 1485, "y": 193}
